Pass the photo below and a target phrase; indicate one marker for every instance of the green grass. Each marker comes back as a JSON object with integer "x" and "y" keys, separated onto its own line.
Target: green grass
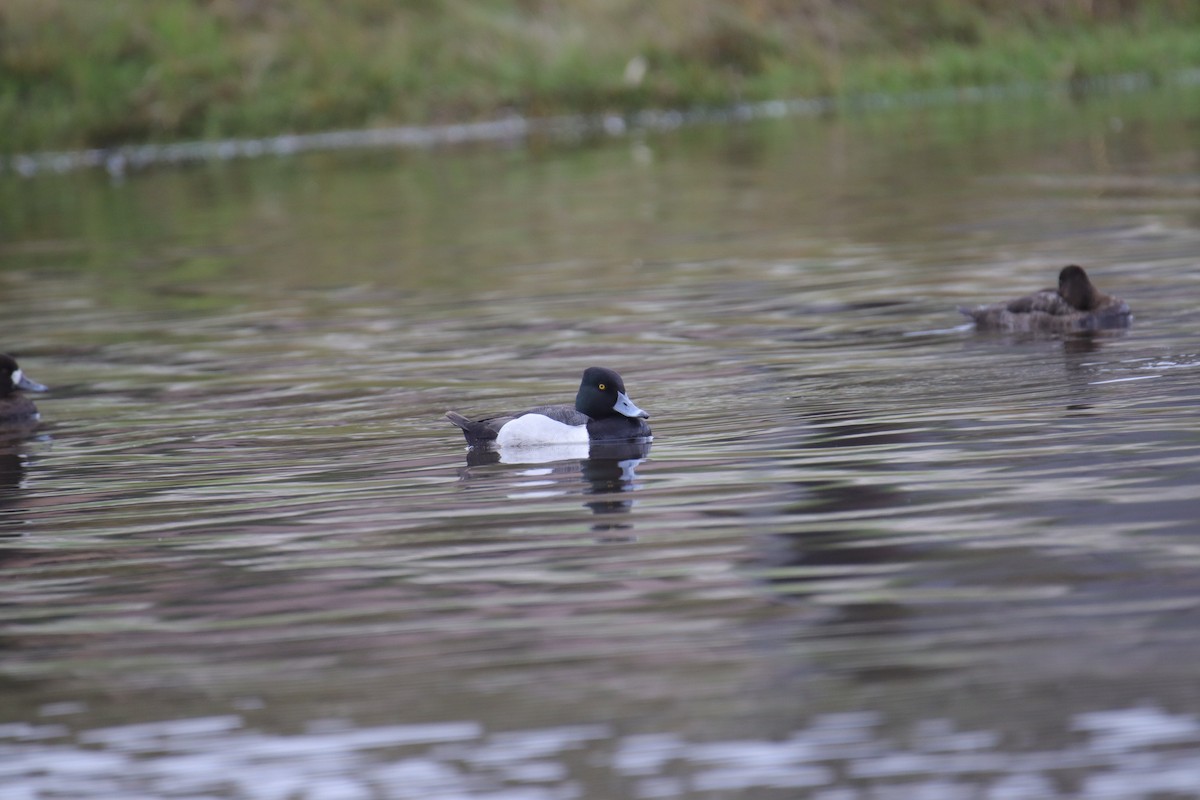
{"x": 79, "y": 73}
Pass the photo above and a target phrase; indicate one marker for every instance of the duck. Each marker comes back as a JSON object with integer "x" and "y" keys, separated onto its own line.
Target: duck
{"x": 1076, "y": 305}
{"x": 16, "y": 408}
{"x": 602, "y": 412}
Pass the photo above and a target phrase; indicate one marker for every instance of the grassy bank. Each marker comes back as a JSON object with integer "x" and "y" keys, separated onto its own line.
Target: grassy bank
{"x": 82, "y": 73}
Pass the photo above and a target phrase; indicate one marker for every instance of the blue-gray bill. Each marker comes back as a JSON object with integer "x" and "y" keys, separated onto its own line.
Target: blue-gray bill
{"x": 625, "y": 406}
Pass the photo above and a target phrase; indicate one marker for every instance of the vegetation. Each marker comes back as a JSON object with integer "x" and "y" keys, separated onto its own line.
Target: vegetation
{"x": 79, "y": 73}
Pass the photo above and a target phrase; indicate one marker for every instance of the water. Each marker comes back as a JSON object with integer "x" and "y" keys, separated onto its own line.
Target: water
{"x": 869, "y": 554}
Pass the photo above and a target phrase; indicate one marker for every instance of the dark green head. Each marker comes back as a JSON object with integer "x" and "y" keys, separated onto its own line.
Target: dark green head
{"x": 1076, "y": 289}
{"x": 602, "y": 394}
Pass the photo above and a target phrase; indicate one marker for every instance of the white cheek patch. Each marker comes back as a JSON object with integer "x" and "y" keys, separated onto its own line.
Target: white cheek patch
{"x": 535, "y": 429}
{"x": 17, "y": 377}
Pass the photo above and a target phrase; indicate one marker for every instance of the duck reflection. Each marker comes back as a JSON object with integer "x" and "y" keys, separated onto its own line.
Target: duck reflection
{"x": 12, "y": 473}
{"x": 1072, "y": 342}
{"x": 14, "y": 505}
{"x": 608, "y": 470}
{"x": 1086, "y": 342}
{"x": 1079, "y": 350}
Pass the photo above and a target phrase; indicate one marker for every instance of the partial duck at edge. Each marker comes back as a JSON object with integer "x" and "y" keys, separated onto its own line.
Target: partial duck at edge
{"x": 16, "y": 408}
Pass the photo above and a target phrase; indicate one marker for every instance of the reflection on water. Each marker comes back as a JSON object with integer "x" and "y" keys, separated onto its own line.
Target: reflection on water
{"x": 871, "y": 554}
{"x": 605, "y": 468}
{"x": 12, "y": 472}
{"x": 1128, "y": 752}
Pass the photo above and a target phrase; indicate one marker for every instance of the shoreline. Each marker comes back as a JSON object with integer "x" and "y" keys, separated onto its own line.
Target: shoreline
{"x": 76, "y": 75}
{"x": 121, "y": 160}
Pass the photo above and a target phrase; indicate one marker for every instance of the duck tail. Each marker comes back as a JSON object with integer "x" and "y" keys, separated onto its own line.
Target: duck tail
{"x": 458, "y": 419}
{"x": 474, "y": 432}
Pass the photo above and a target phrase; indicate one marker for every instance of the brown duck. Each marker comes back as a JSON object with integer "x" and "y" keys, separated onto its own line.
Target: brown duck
{"x": 1076, "y": 305}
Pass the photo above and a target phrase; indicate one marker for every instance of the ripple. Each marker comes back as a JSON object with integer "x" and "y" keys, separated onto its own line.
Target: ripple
{"x": 246, "y": 556}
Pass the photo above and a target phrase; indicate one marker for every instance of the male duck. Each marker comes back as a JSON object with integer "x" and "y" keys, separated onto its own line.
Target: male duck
{"x": 602, "y": 413}
{"x": 16, "y": 408}
{"x": 1076, "y": 305}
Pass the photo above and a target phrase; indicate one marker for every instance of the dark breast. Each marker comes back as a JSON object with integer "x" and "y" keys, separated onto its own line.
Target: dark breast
{"x": 17, "y": 408}
{"x": 617, "y": 428}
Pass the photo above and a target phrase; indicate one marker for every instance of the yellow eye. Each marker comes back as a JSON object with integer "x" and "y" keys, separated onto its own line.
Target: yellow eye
{"x": 602, "y": 387}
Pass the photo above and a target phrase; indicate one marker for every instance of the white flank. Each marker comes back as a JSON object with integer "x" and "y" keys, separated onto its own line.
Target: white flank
{"x": 534, "y": 429}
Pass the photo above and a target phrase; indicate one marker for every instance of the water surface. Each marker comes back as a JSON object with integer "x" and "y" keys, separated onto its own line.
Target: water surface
{"x": 869, "y": 553}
